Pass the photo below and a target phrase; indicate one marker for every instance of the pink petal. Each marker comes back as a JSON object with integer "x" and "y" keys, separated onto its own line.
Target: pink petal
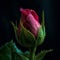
{"x": 35, "y": 25}
{"x": 35, "y": 15}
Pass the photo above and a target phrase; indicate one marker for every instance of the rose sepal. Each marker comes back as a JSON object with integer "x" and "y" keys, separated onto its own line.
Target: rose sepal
{"x": 26, "y": 38}
{"x": 42, "y": 32}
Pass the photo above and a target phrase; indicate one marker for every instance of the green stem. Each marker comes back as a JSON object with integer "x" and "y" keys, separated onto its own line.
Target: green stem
{"x": 32, "y": 55}
{"x": 32, "y": 52}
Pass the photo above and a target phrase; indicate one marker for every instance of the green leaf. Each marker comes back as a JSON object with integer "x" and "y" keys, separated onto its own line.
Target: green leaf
{"x": 9, "y": 51}
{"x": 27, "y": 54}
{"x": 5, "y": 53}
{"x": 20, "y": 57}
{"x": 27, "y": 39}
{"x": 41, "y": 55}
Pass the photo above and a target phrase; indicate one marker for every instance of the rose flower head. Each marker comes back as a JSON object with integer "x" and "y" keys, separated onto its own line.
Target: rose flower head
{"x": 30, "y": 30}
{"x": 30, "y": 21}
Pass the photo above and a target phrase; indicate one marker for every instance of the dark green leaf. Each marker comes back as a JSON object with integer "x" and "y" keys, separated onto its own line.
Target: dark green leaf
{"x": 20, "y": 57}
{"x": 9, "y": 51}
{"x": 41, "y": 55}
{"x": 27, "y": 54}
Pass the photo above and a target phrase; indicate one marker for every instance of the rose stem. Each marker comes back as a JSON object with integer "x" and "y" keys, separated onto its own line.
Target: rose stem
{"x": 32, "y": 51}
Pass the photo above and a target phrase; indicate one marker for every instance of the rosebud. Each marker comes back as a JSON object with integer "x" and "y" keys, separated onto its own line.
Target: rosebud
{"x": 29, "y": 29}
{"x": 30, "y": 21}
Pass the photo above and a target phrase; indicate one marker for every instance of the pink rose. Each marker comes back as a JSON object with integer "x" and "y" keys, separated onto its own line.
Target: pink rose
{"x": 30, "y": 21}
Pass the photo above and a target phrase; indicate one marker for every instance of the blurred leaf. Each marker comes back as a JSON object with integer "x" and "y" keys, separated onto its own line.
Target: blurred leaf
{"x": 26, "y": 54}
{"x": 9, "y": 51}
{"x": 20, "y": 57}
{"x": 41, "y": 55}
{"x": 5, "y": 53}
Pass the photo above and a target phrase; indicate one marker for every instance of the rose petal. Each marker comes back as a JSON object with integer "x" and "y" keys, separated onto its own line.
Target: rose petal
{"x": 34, "y": 24}
{"x": 23, "y": 12}
{"x": 35, "y": 15}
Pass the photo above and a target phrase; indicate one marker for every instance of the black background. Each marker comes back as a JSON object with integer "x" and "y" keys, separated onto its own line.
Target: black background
{"x": 9, "y": 11}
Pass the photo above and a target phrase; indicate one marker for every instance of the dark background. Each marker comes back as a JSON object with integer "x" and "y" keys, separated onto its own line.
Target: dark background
{"x": 9, "y": 11}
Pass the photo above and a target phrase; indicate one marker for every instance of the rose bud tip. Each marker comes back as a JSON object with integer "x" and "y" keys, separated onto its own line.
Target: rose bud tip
{"x": 23, "y": 12}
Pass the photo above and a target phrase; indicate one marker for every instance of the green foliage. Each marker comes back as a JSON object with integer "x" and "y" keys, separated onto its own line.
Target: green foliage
{"x": 9, "y": 51}
{"x": 5, "y": 53}
{"x": 27, "y": 54}
{"x": 41, "y": 55}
